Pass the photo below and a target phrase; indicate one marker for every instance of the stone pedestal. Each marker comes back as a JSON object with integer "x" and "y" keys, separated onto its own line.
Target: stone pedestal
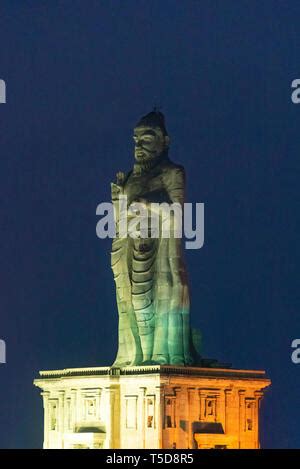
{"x": 152, "y": 407}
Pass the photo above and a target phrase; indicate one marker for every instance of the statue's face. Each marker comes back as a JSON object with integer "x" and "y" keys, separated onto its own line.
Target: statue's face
{"x": 149, "y": 143}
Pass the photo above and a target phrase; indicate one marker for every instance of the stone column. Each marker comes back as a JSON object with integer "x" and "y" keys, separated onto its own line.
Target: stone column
{"x": 45, "y": 395}
{"x": 241, "y": 417}
{"x": 258, "y": 397}
{"x": 73, "y": 418}
{"x": 192, "y": 404}
{"x": 221, "y": 407}
{"x": 61, "y": 416}
{"x": 98, "y": 403}
{"x": 202, "y": 396}
{"x": 110, "y": 427}
{"x": 68, "y": 414}
{"x": 141, "y": 424}
{"x": 160, "y": 414}
{"x": 228, "y": 410}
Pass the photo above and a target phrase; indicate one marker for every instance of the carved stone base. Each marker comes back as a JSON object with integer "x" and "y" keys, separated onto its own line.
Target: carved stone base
{"x": 151, "y": 407}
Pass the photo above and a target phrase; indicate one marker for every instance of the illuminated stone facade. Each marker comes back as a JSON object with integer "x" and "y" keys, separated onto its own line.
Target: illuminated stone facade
{"x": 152, "y": 407}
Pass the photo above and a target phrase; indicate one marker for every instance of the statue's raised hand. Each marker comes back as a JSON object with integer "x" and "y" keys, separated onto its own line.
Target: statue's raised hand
{"x": 120, "y": 178}
{"x": 117, "y": 187}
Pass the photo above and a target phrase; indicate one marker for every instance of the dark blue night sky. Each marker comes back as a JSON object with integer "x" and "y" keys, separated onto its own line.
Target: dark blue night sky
{"x": 79, "y": 74}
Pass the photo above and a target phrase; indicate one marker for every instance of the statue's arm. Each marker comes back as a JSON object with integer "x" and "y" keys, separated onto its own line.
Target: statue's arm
{"x": 117, "y": 189}
{"x": 171, "y": 191}
{"x": 174, "y": 181}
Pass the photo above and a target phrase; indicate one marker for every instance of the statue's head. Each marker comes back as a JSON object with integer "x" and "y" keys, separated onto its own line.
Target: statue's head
{"x": 151, "y": 137}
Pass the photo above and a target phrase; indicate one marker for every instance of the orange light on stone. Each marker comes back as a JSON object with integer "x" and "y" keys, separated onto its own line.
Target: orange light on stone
{"x": 152, "y": 407}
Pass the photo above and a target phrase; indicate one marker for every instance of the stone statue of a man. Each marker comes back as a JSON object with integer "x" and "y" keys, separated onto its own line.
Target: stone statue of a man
{"x": 149, "y": 272}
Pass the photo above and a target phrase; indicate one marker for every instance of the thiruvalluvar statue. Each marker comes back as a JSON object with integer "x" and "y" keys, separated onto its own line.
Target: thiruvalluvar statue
{"x": 150, "y": 274}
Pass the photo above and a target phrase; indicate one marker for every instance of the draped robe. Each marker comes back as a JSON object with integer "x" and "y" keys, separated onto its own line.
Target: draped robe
{"x": 151, "y": 278}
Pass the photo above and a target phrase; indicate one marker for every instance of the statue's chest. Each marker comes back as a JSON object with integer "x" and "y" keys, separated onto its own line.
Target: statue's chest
{"x": 136, "y": 186}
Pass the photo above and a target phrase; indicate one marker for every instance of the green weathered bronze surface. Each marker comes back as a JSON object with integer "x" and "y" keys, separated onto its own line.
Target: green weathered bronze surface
{"x": 150, "y": 274}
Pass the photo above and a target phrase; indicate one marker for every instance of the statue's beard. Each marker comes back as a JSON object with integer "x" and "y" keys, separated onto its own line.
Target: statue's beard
{"x": 147, "y": 160}
{"x": 146, "y": 156}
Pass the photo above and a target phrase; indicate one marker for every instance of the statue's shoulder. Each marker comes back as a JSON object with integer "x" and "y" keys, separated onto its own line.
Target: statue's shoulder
{"x": 169, "y": 166}
{"x": 173, "y": 175}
